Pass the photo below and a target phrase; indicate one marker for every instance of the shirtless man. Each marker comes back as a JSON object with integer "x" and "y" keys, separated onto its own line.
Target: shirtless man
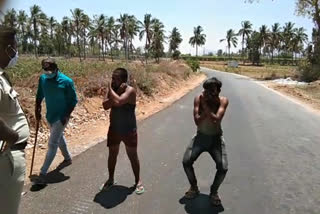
{"x": 121, "y": 98}
{"x": 209, "y": 109}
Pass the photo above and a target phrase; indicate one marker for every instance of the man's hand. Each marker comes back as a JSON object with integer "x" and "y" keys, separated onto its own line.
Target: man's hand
{"x": 122, "y": 88}
{"x": 7, "y": 135}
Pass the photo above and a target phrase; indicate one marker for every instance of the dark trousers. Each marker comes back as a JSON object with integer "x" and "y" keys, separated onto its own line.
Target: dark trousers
{"x": 215, "y": 146}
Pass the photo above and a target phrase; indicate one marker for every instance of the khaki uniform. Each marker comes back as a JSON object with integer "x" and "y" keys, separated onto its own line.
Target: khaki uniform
{"x": 12, "y": 163}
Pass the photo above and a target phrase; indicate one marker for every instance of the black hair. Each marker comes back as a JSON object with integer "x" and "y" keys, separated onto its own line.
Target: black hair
{"x": 211, "y": 83}
{"x": 6, "y": 34}
{"x": 123, "y": 73}
{"x": 49, "y": 64}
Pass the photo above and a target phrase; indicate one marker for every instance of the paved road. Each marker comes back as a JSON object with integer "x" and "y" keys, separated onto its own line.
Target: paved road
{"x": 274, "y": 162}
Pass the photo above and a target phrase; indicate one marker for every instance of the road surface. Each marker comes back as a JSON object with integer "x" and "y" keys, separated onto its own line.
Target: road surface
{"x": 273, "y": 148}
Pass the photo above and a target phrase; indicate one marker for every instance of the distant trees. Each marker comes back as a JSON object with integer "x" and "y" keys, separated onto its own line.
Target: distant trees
{"x": 79, "y": 35}
{"x": 287, "y": 41}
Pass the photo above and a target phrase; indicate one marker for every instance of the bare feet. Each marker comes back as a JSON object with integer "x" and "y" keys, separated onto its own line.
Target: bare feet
{"x": 215, "y": 200}
{"x": 192, "y": 192}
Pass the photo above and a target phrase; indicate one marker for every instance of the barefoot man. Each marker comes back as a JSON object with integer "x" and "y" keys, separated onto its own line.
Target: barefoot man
{"x": 121, "y": 98}
{"x": 209, "y": 109}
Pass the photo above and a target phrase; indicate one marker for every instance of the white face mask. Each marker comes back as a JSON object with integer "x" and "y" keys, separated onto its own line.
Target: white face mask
{"x": 49, "y": 74}
{"x": 13, "y": 61}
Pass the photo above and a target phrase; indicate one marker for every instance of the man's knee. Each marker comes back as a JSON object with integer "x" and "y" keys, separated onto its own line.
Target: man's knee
{"x": 187, "y": 161}
{"x": 53, "y": 145}
{"x": 54, "y": 141}
{"x": 132, "y": 153}
{"x": 222, "y": 169}
{"x": 113, "y": 151}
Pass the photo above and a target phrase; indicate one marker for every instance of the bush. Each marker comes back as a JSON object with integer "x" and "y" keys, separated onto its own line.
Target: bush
{"x": 194, "y": 64}
{"x": 176, "y": 55}
{"x": 308, "y": 72}
{"x": 144, "y": 80}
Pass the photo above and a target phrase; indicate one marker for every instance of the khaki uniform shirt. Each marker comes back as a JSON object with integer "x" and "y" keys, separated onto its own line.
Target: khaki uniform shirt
{"x": 10, "y": 110}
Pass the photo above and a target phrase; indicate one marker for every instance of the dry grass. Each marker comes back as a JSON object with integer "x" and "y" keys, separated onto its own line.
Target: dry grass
{"x": 92, "y": 76}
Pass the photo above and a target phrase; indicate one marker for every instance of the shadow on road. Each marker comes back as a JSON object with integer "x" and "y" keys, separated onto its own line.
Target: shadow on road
{"x": 113, "y": 197}
{"x": 201, "y": 204}
{"x": 52, "y": 177}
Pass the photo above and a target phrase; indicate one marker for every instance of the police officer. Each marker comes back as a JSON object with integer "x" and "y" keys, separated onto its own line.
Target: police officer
{"x": 14, "y": 129}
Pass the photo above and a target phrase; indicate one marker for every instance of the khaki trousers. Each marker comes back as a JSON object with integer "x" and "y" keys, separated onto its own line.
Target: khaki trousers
{"x": 12, "y": 174}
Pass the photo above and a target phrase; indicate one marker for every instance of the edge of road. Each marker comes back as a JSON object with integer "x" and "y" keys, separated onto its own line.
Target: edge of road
{"x": 293, "y": 100}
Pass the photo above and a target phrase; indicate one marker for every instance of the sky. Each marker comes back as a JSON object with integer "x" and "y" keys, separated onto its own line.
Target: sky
{"x": 215, "y": 16}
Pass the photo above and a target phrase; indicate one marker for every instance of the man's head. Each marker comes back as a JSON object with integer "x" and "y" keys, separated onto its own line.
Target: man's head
{"x": 119, "y": 76}
{"x": 8, "y": 47}
{"x": 212, "y": 87}
{"x": 49, "y": 67}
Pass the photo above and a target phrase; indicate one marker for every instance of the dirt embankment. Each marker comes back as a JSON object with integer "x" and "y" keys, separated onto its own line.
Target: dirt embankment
{"x": 157, "y": 88}
{"x": 307, "y": 95}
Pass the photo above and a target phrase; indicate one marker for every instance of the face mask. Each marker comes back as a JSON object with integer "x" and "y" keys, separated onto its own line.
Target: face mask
{"x": 49, "y": 74}
{"x": 13, "y": 61}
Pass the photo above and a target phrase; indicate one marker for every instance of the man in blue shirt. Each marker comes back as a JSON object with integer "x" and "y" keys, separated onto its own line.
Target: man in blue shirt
{"x": 60, "y": 96}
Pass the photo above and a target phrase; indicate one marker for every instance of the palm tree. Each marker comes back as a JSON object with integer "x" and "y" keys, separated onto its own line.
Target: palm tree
{"x": 37, "y": 18}
{"x": 52, "y": 24}
{"x": 124, "y": 31}
{"x": 133, "y": 30}
{"x": 274, "y": 38}
{"x": 264, "y": 36}
{"x": 198, "y": 39}
{"x": 59, "y": 38}
{"x": 44, "y": 46}
{"x": 92, "y": 35}
{"x": 10, "y": 19}
{"x": 288, "y": 34}
{"x": 85, "y": 24}
{"x": 299, "y": 39}
{"x": 116, "y": 37}
{"x": 22, "y": 21}
{"x": 77, "y": 17}
{"x": 231, "y": 39}
{"x": 245, "y": 32}
{"x": 109, "y": 34}
{"x": 254, "y": 47}
{"x": 67, "y": 31}
{"x": 100, "y": 30}
{"x": 175, "y": 40}
{"x": 28, "y": 36}
{"x": 158, "y": 39}
{"x": 146, "y": 27}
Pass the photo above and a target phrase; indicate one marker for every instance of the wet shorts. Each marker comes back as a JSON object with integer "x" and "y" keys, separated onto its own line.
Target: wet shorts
{"x": 130, "y": 139}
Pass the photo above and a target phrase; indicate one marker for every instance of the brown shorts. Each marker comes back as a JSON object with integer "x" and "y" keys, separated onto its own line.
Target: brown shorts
{"x": 130, "y": 139}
